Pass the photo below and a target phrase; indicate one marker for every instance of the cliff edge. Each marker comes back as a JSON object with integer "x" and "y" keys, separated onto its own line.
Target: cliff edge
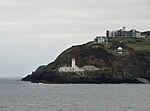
{"x": 126, "y": 67}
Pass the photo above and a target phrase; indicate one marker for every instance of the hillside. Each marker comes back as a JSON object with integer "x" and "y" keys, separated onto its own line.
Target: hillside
{"x": 114, "y": 68}
{"x": 137, "y": 44}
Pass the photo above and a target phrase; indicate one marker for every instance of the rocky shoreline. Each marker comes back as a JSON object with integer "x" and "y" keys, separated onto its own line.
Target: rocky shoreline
{"x": 114, "y": 67}
{"x": 85, "y": 80}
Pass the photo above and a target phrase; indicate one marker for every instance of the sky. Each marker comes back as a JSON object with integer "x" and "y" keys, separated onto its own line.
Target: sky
{"x": 35, "y": 32}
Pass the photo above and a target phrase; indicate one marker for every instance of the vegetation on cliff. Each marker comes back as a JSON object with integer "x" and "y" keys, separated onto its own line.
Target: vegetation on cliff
{"x": 133, "y": 63}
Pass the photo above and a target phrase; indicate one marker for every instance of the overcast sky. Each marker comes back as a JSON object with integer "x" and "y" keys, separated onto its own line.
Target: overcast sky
{"x": 35, "y": 32}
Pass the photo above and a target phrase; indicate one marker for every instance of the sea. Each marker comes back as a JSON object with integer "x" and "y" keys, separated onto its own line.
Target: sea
{"x": 16, "y": 95}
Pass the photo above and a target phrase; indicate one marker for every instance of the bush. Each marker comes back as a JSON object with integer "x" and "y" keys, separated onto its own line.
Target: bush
{"x": 132, "y": 41}
{"x": 139, "y": 40}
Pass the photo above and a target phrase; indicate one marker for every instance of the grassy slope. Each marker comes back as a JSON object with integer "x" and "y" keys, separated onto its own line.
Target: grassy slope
{"x": 140, "y": 46}
{"x": 135, "y": 44}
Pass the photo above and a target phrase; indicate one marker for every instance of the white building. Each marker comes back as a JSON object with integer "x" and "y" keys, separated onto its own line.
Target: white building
{"x": 119, "y": 49}
{"x": 69, "y": 69}
{"x": 100, "y": 39}
{"x": 90, "y": 68}
{"x": 75, "y": 68}
{"x": 138, "y": 35}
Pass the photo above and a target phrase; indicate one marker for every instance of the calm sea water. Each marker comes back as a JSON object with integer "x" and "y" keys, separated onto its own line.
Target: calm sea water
{"x": 24, "y": 96}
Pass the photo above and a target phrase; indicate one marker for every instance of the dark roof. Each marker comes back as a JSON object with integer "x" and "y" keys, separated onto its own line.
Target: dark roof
{"x": 146, "y": 32}
{"x": 133, "y": 30}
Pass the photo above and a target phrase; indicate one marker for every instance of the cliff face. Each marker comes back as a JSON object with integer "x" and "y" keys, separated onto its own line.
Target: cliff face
{"x": 114, "y": 67}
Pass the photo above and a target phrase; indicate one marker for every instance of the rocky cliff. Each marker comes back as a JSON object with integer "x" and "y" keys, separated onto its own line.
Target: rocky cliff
{"x": 114, "y": 67}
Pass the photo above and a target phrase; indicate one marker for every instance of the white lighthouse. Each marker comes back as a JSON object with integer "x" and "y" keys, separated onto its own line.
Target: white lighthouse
{"x": 74, "y": 68}
{"x": 73, "y": 63}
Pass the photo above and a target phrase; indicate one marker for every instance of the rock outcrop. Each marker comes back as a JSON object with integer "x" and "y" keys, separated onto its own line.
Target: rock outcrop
{"x": 114, "y": 67}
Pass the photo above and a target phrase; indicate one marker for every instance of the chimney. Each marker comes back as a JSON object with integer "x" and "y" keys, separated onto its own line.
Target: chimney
{"x": 124, "y": 28}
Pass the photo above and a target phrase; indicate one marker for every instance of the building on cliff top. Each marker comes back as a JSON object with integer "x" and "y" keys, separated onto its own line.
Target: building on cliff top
{"x": 123, "y": 33}
{"x": 100, "y": 39}
{"x": 75, "y": 68}
{"x": 145, "y": 34}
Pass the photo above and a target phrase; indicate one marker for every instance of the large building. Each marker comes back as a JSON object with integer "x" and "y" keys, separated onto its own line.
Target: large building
{"x": 145, "y": 34}
{"x": 123, "y": 33}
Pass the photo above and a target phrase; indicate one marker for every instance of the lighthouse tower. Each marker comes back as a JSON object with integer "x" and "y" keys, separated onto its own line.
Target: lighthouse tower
{"x": 73, "y": 63}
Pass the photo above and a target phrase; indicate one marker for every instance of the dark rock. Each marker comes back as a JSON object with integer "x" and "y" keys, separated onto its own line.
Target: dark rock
{"x": 115, "y": 68}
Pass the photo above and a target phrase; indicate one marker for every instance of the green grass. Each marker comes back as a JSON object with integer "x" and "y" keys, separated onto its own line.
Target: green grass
{"x": 115, "y": 53}
{"x": 136, "y": 44}
{"x": 140, "y": 46}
